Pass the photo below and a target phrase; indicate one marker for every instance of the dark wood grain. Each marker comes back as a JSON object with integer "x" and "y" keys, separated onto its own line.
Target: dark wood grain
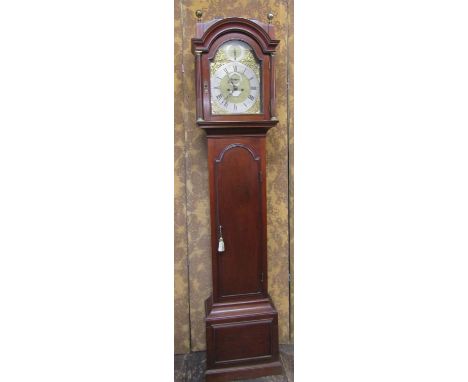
{"x": 237, "y": 184}
{"x": 241, "y": 320}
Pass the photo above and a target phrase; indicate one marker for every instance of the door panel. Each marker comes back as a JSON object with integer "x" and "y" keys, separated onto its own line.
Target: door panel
{"x": 238, "y": 210}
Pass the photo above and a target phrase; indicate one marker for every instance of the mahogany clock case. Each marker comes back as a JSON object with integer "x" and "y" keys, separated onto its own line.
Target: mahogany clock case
{"x": 241, "y": 320}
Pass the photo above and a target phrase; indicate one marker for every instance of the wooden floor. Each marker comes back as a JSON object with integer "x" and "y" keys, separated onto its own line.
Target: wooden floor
{"x": 191, "y": 367}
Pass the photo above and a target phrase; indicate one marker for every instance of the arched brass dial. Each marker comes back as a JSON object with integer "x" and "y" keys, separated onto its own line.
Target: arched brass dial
{"x": 235, "y": 80}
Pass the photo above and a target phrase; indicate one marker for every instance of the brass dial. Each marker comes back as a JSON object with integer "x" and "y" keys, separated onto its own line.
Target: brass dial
{"x": 235, "y": 80}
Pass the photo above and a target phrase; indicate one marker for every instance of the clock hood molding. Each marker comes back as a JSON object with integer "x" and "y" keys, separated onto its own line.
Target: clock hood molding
{"x": 208, "y": 36}
{"x": 209, "y": 32}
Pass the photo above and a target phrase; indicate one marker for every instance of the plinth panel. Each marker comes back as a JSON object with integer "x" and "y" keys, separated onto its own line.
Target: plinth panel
{"x": 247, "y": 341}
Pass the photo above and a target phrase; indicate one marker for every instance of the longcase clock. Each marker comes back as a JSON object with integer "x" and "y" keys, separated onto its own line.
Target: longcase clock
{"x": 235, "y": 103}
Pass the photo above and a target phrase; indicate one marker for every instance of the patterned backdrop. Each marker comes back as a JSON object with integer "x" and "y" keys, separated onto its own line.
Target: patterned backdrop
{"x": 192, "y": 262}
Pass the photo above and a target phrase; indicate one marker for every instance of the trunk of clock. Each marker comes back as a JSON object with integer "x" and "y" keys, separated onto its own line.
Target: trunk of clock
{"x": 241, "y": 320}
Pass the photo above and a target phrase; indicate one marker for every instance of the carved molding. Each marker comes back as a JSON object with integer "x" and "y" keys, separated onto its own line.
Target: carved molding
{"x": 235, "y": 24}
{"x": 233, "y": 145}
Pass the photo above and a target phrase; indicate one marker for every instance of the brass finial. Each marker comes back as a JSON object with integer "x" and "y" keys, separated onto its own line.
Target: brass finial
{"x": 270, "y": 17}
{"x": 199, "y": 14}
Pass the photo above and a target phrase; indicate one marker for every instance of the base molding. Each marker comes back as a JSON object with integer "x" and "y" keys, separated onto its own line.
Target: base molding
{"x": 243, "y": 372}
{"x": 242, "y": 340}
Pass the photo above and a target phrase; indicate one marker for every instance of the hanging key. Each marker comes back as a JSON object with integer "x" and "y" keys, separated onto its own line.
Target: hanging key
{"x": 220, "y": 241}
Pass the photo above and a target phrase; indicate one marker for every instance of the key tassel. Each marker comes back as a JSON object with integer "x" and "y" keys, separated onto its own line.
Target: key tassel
{"x": 221, "y": 245}
{"x": 220, "y": 241}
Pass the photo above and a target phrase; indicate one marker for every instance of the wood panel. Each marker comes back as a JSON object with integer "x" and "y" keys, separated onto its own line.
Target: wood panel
{"x": 231, "y": 338}
{"x": 242, "y": 221}
{"x": 238, "y": 201}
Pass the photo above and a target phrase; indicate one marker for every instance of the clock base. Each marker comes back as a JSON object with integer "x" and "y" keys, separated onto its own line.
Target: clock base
{"x": 243, "y": 372}
{"x": 242, "y": 340}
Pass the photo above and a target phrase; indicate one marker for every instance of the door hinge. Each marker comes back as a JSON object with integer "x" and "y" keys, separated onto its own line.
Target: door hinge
{"x": 260, "y": 176}
{"x": 183, "y": 69}
{"x": 261, "y": 277}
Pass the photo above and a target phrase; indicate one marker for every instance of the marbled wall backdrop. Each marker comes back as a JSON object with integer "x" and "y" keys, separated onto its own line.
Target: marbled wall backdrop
{"x": 192, "y": 197}
{"x": 291, "y": 163}
{"x": 181, "y": 305}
